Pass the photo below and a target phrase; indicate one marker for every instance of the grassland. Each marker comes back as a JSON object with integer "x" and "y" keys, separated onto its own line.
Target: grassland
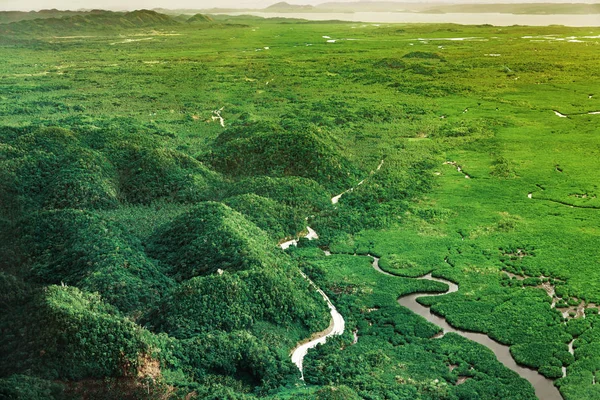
{"x": 100, "y": 217}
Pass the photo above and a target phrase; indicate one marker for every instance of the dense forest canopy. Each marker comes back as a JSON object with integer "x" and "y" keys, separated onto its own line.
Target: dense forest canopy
{"x": 151, "y": 164}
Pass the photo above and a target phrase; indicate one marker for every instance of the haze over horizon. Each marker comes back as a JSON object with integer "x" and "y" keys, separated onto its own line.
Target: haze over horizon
{"x": 28, "y": 5}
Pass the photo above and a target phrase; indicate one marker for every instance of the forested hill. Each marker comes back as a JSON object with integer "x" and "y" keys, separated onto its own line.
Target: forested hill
{"x": 150, "y": 169}
{"x": 93, "y": 21}
{"x": 15, "y": 16}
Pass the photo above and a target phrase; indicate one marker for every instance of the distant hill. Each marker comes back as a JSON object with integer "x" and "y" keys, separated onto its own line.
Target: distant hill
{"x": 92, "y": 21}
{"x": 256, "y": 148}
{"x": 438, "y": 7}
{"x": 199, "y": 18}
{"x": 286, "y": 7}
{"x": 374, "y": 6}
{"x": 400, "y": 6}
{"x": 529, "y": 8}
{"x": 15, "y": 16}
{"x": 145, "y": 18}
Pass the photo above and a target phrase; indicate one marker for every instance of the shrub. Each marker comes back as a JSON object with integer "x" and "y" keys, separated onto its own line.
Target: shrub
{"x": 23, "y": 387}
{"x": 147, "y": 174}
{"x": 49, "y": 169}
{"x": 304, "y": 194}
{"x": 63, "y": 333}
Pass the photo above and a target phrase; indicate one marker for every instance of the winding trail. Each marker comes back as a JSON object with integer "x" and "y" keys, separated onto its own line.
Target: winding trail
{"x": 544, "y": 387}
{"x": 217, "y": 116}
{"x": 335, "y": 199}
{"x": 561, "y": 115}
{"x": 564, "y": 203}
{"x": 458, "y": 168}
{"x": 336, "y": 326}
{"x": 572, "y": 351}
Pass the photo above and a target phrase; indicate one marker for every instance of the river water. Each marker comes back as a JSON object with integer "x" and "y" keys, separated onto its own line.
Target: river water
{"x": 455, "y": 18}
{"x": 544, "y": 387}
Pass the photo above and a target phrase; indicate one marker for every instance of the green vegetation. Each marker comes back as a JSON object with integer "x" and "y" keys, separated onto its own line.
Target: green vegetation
{"x": 394, "y": 345}
{"x": 299, "y": 193}
{"x": 79, "y": 248}
{"x": 252, "y": 149}
{"x": 199, "y": 19}
{"x": 210, "y": 237}
{"x": 67, "y": 334}
{"x": 150, "y": 165}
{"x": 278, "y": 220}
{"x": 92, "y": 21}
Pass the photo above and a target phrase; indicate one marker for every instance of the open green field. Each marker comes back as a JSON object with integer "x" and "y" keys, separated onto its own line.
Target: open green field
{"x": 149, "y": 167}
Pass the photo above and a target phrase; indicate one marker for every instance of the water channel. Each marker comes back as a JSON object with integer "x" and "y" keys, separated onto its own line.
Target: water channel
{"x": 544, "y": 387}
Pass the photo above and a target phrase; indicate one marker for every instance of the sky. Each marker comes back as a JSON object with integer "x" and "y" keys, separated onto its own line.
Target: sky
{"x": 26, "y": 5}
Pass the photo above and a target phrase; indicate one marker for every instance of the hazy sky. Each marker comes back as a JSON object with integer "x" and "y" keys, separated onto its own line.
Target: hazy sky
{"x": 137, "y": 4}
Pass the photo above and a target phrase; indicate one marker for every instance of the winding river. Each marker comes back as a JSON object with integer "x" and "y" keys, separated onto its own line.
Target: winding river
{"x": 544, "y": 387}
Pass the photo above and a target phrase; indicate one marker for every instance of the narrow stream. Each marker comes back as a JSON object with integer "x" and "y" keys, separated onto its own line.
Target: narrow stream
{"x": 544, "y": 387}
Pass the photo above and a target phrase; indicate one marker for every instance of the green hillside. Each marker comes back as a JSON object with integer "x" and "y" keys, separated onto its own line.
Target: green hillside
{"x": 150, "y": 169}
{"x": 88, "y": 22}
{"x": 15, "y": 16}
{"x": 199, "y": 19}
{"x": 253, "y": 149}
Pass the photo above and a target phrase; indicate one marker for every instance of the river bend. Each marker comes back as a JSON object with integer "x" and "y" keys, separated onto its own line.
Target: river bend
{"x": 544, "y": 387}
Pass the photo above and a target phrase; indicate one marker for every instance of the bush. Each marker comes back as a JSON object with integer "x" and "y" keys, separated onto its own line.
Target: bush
{"x": 423, "y": 55}
{"x": 23, "y": 387}
{"x": 230, "y": 302}
{"x": 63, "y": 333}
{"x": 147, "y": 174}
{"x": 49, "y": 169}
{"x": 301, "y": 193}
{"x": 239, "y": 353}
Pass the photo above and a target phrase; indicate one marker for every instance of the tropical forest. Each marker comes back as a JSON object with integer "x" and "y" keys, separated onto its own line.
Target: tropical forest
{"x": 211, "y": 206}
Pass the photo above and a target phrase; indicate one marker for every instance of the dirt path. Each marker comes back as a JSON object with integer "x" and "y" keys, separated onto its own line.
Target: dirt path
{"x": 336, "y": 327}
{"x": 335, "y": 199}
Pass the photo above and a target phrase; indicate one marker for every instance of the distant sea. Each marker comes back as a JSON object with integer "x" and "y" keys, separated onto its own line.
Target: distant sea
{"x": 592, "y": 20}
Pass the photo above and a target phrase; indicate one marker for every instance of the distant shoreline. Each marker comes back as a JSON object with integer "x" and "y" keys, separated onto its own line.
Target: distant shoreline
{"x": 496, "y": 19}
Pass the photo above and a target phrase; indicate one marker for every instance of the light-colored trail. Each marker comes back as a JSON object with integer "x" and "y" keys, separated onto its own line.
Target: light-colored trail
{"x": 561, "y": 115}
{"x": 336, "y": 327}
{"x": 217, "y": 116}
{"x": 572, "y": 351}
{"x": 335, "y": 199}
